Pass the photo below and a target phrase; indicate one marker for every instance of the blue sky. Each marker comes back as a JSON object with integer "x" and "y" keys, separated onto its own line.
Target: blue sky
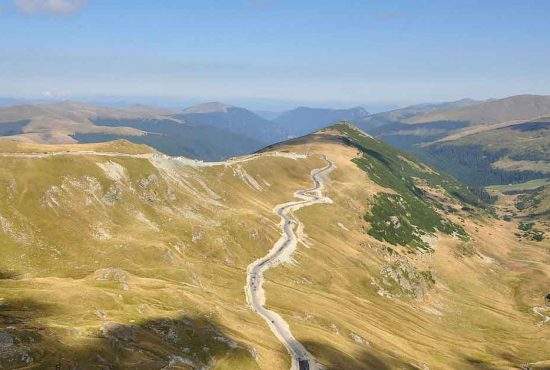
{"x": 271, "y": 53}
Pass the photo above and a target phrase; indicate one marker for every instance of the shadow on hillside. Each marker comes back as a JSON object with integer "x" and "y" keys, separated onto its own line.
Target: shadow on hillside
{"x": 155, "y": 344}
{"x": 476, "y": 363}
{"x": 8, "y": 275}
{"x": 512, "y": 360}
{"x": 22, "y": 311}
{"x": 20, "y": 331}
{"x": 334, "y": 359}
{"x": 152, "y": 344}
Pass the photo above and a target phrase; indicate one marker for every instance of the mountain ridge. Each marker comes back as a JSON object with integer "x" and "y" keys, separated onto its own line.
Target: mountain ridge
{"x": 209, "y": 107}
{"x": 470, "y": 142}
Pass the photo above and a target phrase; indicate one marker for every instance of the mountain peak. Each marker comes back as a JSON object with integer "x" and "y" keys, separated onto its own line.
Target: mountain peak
{"x": 209, "y": 107}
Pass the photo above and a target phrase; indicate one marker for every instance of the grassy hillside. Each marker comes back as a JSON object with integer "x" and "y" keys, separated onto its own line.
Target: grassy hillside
{"x": 434, "y": 306}
{"x": 487, "y": 143}
{"x": 115, "y": 255}
{"x": 405, "y": 217}
{"x": 136, "y": 261}
{"x": 179, "y": 138}
{"x": 520, "y": 107}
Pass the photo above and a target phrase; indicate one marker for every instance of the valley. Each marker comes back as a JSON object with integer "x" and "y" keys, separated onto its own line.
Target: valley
{"x": 493, "y": 142}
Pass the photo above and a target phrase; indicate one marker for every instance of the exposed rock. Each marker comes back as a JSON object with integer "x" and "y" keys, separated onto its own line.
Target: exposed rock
{"x": 228, "y": 341}
{"x": 141, "y": 217}
{"x": 169, "y": 257}
{"x": 402, "y": 279}
{"x": 113, "y": 170}
{"x": 174, "y": 361}
{"x": 13, "y": 231}
{"x": 395, "y": 222}
{"x": 342, "y": 226}
{"x": 5, "y": 225}
{"x": 358, "y": 339}
{"x": 148, "y": 191}
{"x": 12, "y": 352}
{"x": 116, "y": 331}
{"x": 6, "y": 340}
{"x": 71, "y": 190}
{"x": 146, "y": 182}
{"x": 11, "y": 189}
{"x": 541, "y": 311}
{"x": 51, "y": 197}
{"x": 112, "y": 195}
{"x": 100, "y": 232}
{"x": 197, "y": 235}
{"x": 26, "y": 358}
{"x": 101, "y": 314}
{"x": 241, "y": 173}
{"x": 113, "y": 274}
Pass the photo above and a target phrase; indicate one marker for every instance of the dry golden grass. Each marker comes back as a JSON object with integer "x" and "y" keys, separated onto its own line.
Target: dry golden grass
{"x": 119, "y": 146}
{"x": 135, "y": 260}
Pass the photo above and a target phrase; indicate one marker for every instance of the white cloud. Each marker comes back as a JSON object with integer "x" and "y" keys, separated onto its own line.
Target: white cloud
{"x": 50, "y": 6}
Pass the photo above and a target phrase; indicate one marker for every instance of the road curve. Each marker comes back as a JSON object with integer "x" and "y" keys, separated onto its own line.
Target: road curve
{"x": 281, "y": 252}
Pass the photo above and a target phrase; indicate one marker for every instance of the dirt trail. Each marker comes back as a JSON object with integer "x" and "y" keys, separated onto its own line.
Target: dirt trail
{"x": 75, "y": 153}
{"x": 155, "y": 157}
{"x": 281, "y": 252}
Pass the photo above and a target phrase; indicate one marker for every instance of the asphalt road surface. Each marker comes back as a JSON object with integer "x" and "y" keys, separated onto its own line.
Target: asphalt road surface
{"x": 281, "y": 252}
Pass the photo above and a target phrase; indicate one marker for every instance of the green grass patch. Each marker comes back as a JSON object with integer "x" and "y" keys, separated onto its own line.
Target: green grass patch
{"x": 530, "y": 232}
{"x": 404, "y": 218}
{"x": 404, "y": 221}
{"x": 529, "y": 185}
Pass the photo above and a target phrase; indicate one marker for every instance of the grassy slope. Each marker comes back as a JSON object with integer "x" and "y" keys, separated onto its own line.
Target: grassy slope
{"x": 93, "y": 264}
{"x": 120, "y": 146}
{"x": 405, "y": 217}
{"x": 480, "y": 144}
{"x": 145, "y": 265}
{"x": 206, "y": 142}
{"x": 360, "y": 304}
{"x": 475, "y": 159}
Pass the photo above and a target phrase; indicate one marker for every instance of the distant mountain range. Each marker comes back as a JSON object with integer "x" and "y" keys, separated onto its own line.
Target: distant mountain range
{"x": 239, "y": 121}
{"x": 402, "y": 114}
{"x": 480, "y": 142}
{"x": 303, "y": 120}
{"x": 209, "y": 131}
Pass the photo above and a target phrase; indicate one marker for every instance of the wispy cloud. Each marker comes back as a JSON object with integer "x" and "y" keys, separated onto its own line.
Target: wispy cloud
{"x": 61, "y": 7}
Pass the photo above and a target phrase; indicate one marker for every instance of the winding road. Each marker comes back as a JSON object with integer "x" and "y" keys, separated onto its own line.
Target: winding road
{"x": 281, "y": 252}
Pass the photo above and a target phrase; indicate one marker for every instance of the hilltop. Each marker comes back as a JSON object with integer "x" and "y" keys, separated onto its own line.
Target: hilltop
{"x": 210, "y": 107}
{"x": 304, "y": 120}
{"x": 239, "y": 121}
{"x": 514, "y": 108}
